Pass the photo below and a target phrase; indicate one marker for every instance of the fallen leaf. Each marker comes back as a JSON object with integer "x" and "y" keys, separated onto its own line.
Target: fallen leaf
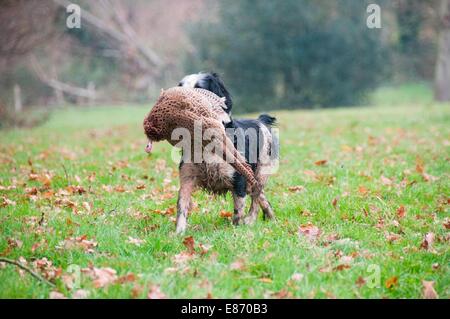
{"x": 297, "y": 276}
{"x": 391, "y": 282}
{"x": 135, "y": 241}
{"x": 428, "y": 290}
{"x": 282, "y": 294}
{"x": 182, "y": 258}
{"x": 363, "y": 190}
{"x": 119, "y": 189}
{"x": 309, "y": 231}
{"x": 447, "y": 224}
{"x": 237, "y": 265}
{"x": 126, "y": 278}
{"x": 297, "y": 188}
{"x": 204, "y": 249}
{"x": 188, "y": 242}
{"x": 101, "y": 277}
{"x": 360, "y": 281}
{"x": 225, "y": 214}
{"x": 6, "y": 202}
{"x": 392, "y": 237}
{"x": 310, "y": 173}
{"x": 401, "y": 212}
{"x": 429, "y": 178}
{"x": 428, "y": 241}
{"x": 56, "y": 295}
{"x": 320, "y": 162}
{"x": 81, "y": 294}
{"x": 46, "y": 268}
{"x": 385, "y": 181}
{"x": 334, "y": 202}
{"x": 77, "y": 243}
{"x": 341, "y": 267}
{"x": 155, "y": 293}
{"x": 265, "y": 280}
{"x": 140, "y": 187}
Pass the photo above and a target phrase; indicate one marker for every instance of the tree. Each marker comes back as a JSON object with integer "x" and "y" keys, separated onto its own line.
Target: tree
{"x": 294, "y": 53}
{"x": 442, "y": 75}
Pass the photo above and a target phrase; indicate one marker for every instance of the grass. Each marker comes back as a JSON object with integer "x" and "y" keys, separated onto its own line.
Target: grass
{"x": 379, "y": 159}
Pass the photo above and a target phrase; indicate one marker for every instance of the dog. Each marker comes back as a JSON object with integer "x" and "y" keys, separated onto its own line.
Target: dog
{"x": 260, "y": 150}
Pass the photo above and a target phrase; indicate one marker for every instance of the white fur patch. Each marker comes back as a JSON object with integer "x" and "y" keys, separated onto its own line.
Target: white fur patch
{"x": 191, "y": 80}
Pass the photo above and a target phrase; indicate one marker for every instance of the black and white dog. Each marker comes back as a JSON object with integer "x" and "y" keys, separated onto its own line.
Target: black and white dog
{"x": 220, "y": 178}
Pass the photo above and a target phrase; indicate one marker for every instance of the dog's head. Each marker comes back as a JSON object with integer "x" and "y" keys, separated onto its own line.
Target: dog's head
{"x": 211, "y": 82}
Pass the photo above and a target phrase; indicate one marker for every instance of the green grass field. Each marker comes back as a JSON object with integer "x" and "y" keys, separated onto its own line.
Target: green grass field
{"x": 79, "y": 196}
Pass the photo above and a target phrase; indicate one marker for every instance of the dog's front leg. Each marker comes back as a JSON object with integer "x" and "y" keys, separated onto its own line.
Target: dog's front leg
{"x": 239, "y": 205}
{"x": 184, "y": 203}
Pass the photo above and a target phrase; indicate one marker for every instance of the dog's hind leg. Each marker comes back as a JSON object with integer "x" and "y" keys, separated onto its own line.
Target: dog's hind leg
{"x": 266, "y": 207}
{"x": 253, "y": 212}
{"x": 187, "y": 185}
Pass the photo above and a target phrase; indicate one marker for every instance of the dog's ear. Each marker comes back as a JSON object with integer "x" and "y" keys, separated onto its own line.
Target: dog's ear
{"x": 216, "y": 85}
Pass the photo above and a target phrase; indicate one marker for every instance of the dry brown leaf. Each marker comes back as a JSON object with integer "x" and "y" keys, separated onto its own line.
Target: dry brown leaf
{"x": 446, "y": 224}
{"x": 135, "y": 241}
{"x": 297, "y": 276}
{"x": 297, "y": 188}
{"x": 428, "y": 241}
{"x": 401, "y": 212}
{"x": 126, "y": 278}
{"x": 334, "y": 202}
{"x": 341, "y": 267}
{"x": 391, "y": 237}
{"x": 182, "y": 258}
{"x": 428, "y": 290}
{"x": 103, "y": 277}
{"x": 204, "y": 249}
{"x": 320, "y": 162}
{"x": 265, "y": 280}
{"x": 385, "y": 181}
{"x": 81, "y": 294}
{"x": 77, "y": 243}
{"x": 119, "y": 189}
{"x": 155, "y": 293}
{"x": 237, "y": 265}
{"x": 188, "y": 242}
{"x": 225, "y": 214}
{"x": 360, "y": 281}
{"x": 46, "y": 268}
{"x": 310, "y": 173}
{"x": 56, "y": 295}
{"x": 309, "y": 231}
{"x": 363, "y": 190}
{"x": 6, "y": 202}
{"x": 391, "y": 282}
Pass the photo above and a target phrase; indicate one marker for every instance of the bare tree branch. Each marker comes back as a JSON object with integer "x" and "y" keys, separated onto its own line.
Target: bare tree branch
{"x": 31, "y": 272}
{"x": 64, "y": 87}
{"x": 150, "y": 56}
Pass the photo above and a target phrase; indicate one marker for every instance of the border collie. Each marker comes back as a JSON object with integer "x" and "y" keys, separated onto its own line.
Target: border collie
{"x": 221, "y": 177}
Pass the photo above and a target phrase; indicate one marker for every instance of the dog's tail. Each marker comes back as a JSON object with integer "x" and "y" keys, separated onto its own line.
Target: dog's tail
{"x": 267, "y": 120}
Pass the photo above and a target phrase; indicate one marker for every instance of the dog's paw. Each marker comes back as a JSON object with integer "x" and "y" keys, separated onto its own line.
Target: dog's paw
{"x": 249, "y": 220}
{"x": 237, "y": 220}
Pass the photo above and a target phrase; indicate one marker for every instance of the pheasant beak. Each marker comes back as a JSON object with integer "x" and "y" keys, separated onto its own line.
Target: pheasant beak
{"x": 148, "y": 148}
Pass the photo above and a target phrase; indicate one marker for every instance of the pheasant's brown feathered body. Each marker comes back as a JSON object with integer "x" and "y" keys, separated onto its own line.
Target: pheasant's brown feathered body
{"x": 181, "y": 107}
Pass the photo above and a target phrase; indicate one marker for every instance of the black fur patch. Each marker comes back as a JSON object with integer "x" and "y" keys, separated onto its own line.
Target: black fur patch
{"x": 239, "y": 185}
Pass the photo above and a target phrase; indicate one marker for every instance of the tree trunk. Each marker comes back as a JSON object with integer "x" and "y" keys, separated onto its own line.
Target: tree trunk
{"x": 17, "y": 99}
{"x": 442, "y": 75}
